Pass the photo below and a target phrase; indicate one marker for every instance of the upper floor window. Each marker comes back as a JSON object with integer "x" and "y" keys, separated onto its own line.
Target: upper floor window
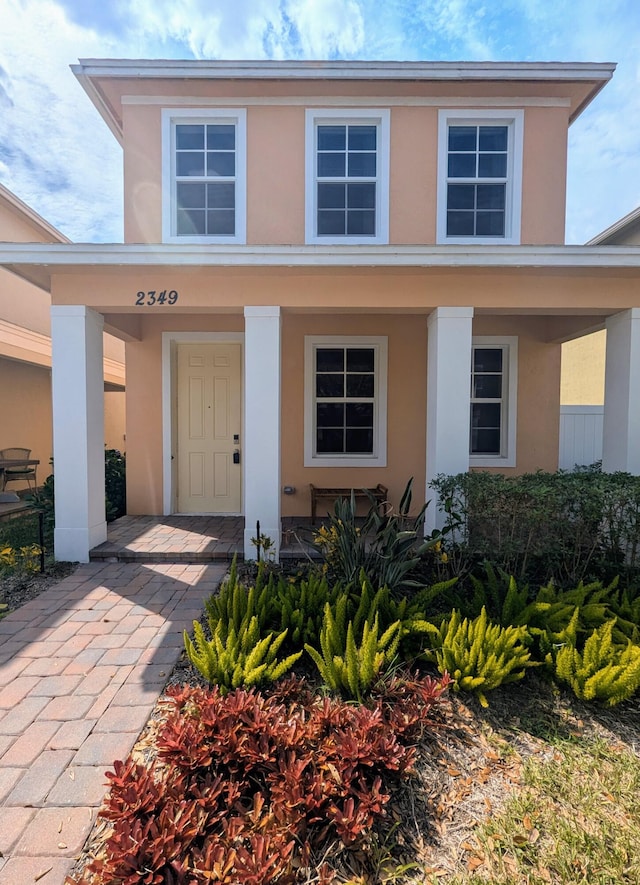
{"x": 345, "y": 401}
{"x": 204, "y": 172}
{"x": 347, "y": 176}
{"x": 479, "y": 176}
{"x": 494, "y": 367}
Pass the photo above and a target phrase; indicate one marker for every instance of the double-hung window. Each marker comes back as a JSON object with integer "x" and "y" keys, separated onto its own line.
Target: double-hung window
{"x": 493, "y": 402}
{"x": 479, "y": 176}
{"x": 204, "y": 166}
{"x": 345, "y": 401}
{"x": 347, "y": 176}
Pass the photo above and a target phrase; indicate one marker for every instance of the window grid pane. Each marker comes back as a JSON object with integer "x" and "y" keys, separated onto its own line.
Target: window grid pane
{"x": 488, "y": 400}
{"x": 345, "y": 400}
{"x": 346, "y": 179}
{"x": 205, "y": 179}
{"x": 477, "y": 164}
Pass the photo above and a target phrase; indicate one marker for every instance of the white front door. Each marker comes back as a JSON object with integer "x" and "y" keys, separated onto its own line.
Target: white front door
{"x": 208, "y": 428}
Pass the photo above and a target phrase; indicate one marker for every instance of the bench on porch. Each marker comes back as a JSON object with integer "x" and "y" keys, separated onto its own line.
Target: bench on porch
{"x": 380, "y": 493}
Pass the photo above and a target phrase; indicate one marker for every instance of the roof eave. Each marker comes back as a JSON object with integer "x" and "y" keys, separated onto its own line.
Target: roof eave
{"x": 616, "y": 227}
{"x": 20, "y": 207}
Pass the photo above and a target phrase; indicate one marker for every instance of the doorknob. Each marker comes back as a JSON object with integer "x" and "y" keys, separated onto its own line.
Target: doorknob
{"x": 236, "y": 456}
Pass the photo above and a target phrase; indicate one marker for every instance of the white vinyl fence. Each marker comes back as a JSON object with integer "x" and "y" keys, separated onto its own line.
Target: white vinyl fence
{"x": 580, "y": 435}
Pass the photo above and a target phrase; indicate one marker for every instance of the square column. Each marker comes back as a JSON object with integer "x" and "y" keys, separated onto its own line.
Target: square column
{"x": 621, "y": 434}
{"x": 448, "y": 399}
{"x": 78, "y": 431}
{"x": 262, "y": 327}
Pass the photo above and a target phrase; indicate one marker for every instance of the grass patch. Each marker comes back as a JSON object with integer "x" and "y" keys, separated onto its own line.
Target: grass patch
{"x": 576, "y": 819}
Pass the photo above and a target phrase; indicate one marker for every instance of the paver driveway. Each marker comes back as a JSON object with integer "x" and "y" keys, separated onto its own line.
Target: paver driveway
{"x": 81, "y": 668}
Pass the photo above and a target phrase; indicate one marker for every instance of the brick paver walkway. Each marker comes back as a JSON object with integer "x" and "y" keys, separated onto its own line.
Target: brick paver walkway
{"x": 81, "y": 668}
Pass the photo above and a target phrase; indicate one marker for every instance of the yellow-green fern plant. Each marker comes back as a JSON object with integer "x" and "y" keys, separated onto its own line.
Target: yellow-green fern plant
{"x": 478, "y": 655}
{"x": 236, "y": 603}
{"x": 234, "y": 658}
{"x": 351, "y": 661}
{"x": 604, "y": 670}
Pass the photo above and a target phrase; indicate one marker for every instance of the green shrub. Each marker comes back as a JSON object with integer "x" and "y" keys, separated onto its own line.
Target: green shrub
{"x": 115, "y": 484}
{"x": 479, "y": 655}
{"x": 569, "y": 525}
{"x": 114, "y": 488}
{"x": 604, "y": 670}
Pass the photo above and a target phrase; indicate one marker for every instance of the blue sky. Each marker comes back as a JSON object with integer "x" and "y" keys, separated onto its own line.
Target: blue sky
{"x": 58, "y": 156}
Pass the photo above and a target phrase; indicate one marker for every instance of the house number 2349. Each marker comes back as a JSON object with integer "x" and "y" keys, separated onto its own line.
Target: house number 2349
{"x": 147, "y": 299}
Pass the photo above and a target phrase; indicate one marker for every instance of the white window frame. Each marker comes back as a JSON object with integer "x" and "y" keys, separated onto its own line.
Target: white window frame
{"x": 509, "y": 346}
{"x": 514, "y": 120}
{"x": 340, "y": 117}
{"x": 379, "y": 458}
{"x": 173, "y": 116}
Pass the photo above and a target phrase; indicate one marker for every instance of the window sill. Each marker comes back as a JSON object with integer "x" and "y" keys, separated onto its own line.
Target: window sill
{"x": 491, "y": 461}
{"x": 206, "y": 241}
{"x": 478, "y": 241}
{"x": 346, "y": 241}
{"x": 340, "y": 461}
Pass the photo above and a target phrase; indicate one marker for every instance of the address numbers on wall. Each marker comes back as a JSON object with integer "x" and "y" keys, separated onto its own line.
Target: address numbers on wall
{"x": 148, "y": 299}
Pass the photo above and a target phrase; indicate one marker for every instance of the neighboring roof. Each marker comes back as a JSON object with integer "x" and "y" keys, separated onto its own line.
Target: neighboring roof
{"x": 618, "y": 227}
{"x": 15, "y": 204}
{"x": 93, "y": 73}
{"x": 37, "y": 263}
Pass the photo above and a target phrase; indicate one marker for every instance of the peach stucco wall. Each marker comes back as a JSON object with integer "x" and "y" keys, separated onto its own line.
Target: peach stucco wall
{"x": 413, "y": 175}
{"x": 372, "y": 290}
{"x": 275, "y": 174}
{"x": 25, "y": 404}
{"x": 544, "y": 175}
{"x": 115, "y": 420}
{"x": 582, "y": 382}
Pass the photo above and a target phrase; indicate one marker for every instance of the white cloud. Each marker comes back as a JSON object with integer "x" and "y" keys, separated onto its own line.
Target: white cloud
{"x": 57, "y": 154}
{"x": 327, "y": 27}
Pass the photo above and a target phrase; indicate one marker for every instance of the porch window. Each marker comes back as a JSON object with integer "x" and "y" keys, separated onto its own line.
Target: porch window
{"x": 493, "y": 402}
{"x": 204, "y": 188}
{"x": 345, "y": 406}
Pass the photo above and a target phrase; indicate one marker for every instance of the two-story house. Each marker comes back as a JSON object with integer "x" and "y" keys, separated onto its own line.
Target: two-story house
{"x": 338, "y": 273}
{"x": 25, "y": 349}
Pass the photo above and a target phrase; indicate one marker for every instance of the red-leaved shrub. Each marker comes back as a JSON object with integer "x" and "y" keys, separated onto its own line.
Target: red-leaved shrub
{"x": 245, "y": 783}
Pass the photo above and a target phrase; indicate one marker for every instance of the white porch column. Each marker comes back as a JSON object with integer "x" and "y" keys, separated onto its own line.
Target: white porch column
{"x": 448, "y": 398}
{"x": 78, "y": 431}
{"x": 261, "y": 448}
{"x": 621, "y": 436}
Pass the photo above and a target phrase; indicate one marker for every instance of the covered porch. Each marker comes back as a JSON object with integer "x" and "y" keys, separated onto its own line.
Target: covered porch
{"x": 418, "y": 311}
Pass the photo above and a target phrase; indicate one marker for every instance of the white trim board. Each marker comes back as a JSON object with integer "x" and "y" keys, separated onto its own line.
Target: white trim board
{"x": 313, "y": 101}
{"x": 13, "y": 255}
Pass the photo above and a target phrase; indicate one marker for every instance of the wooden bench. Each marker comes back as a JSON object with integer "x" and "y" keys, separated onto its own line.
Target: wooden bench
{"x": 380, "y": 493}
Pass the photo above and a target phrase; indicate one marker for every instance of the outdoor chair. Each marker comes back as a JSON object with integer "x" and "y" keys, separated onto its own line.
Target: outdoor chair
{"x": 22, "y": 473}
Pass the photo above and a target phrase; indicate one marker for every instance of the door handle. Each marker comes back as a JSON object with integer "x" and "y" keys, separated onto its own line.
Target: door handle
{"x": 236, "y": 456}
